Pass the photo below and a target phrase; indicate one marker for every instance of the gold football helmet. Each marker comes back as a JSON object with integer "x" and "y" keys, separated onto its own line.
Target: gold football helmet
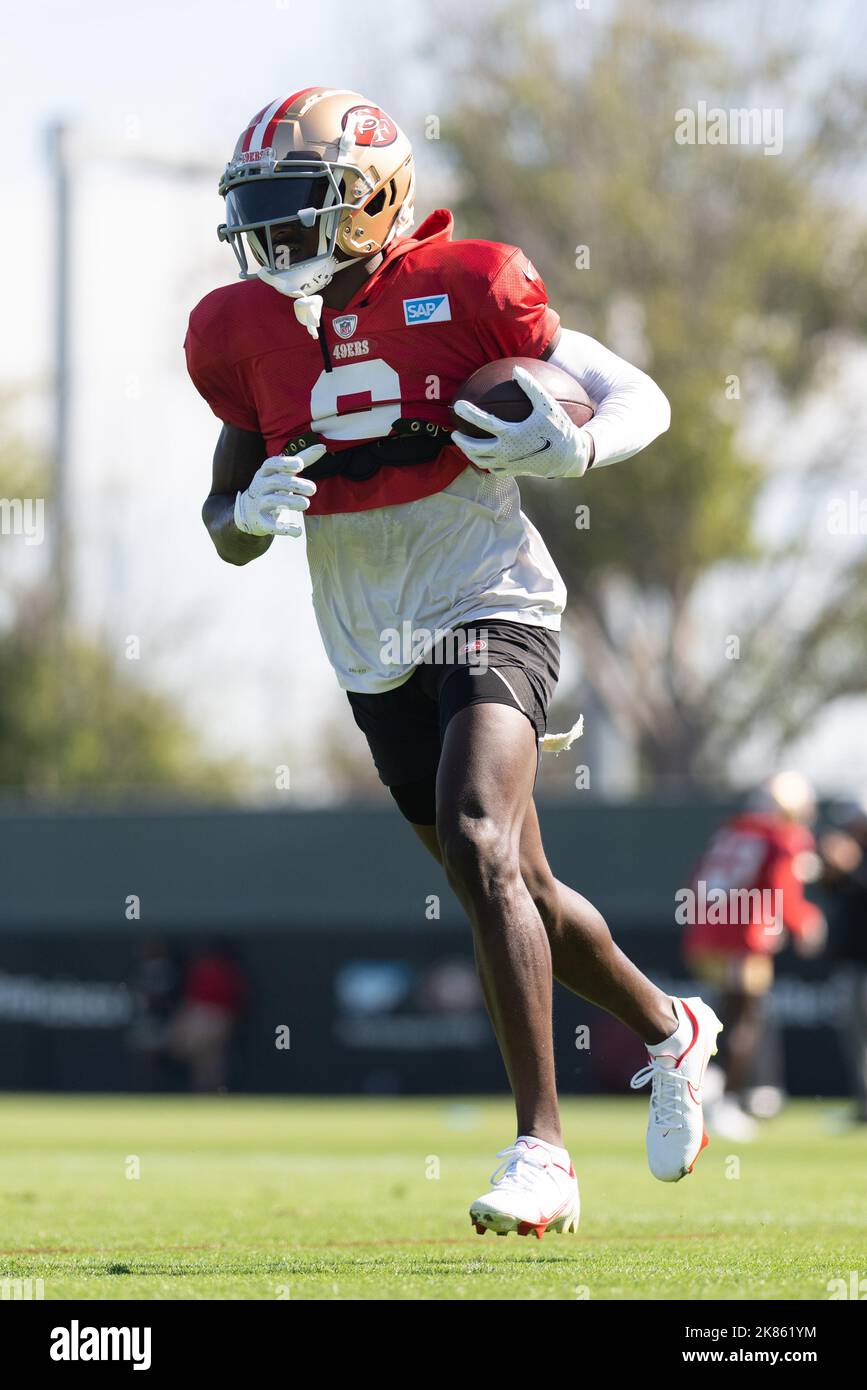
{"x": 320, "y": 158}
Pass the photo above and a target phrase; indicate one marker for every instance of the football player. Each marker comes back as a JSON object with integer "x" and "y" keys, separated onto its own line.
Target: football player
{"x": 759, "y": 859}
{"x": 332, "y": 365}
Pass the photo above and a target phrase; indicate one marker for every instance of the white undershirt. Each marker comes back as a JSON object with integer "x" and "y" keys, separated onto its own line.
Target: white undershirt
{"x": 631, "y": 409}
{"x": 468, "y": 552}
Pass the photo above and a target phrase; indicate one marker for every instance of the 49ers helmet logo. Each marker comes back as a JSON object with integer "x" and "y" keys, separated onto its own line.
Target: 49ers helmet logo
{"x": 372, "y": 126}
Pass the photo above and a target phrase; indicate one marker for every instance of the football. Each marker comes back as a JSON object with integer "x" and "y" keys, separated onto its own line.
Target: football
{"x": 491, "y": 388}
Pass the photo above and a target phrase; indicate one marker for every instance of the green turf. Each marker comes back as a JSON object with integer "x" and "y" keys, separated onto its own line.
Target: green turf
{"x": 272, "y": 1198}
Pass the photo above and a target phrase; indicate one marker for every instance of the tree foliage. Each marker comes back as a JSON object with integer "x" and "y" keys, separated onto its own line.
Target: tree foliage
{"x": 74, "y": 723}
{"x": 738, "y": 280}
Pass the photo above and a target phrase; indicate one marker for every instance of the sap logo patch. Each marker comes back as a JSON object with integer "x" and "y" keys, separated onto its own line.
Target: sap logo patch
{"x": 429, "y": 308}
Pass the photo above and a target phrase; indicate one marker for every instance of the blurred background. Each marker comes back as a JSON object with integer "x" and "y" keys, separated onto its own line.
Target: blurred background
{"x": 169, "y": 726}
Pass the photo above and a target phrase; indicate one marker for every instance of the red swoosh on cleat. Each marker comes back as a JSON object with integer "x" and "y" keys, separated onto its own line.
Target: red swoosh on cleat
{"x": 525, "y": 1227}
{"x": 694, "y": 1021}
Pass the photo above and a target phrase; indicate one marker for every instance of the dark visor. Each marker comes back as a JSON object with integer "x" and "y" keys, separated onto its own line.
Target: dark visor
{"x": 256, "y": 201}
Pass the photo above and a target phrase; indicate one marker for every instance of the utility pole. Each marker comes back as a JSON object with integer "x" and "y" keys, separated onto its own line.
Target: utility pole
{"x": 66, "y": 145}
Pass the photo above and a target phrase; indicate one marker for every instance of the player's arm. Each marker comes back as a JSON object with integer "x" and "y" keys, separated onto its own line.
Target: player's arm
{"x": 251, "y": 502}
{"x": 630, "y": 412}
{"x": 548, "y": 352}
{"x": 237, "y": 458}
{"x": 515, "y": 320}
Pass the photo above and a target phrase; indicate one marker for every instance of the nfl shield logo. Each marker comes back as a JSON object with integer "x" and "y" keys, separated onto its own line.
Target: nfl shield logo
{"x": 346, "y": 326}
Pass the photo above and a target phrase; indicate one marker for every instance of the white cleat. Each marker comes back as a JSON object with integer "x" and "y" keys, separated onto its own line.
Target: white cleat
{"x": 675, "y": 1130}
{"x": 726, "y": 1118}
{"x": 529, "y": 1192}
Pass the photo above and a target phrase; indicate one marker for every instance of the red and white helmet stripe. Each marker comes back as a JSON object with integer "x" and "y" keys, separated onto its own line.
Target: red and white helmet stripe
{"x": 260, "y": 131}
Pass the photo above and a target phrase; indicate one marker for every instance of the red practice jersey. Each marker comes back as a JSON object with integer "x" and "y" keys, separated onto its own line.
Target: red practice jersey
{"x": 753, "y": 851}
{"x": 431, "y": 313}
{"x": 213, "y": 979}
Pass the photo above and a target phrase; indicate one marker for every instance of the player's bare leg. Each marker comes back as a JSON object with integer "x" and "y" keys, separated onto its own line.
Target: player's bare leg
{"x": 484, "y": 784}
{"x": 681, "y": 1036}
{"x": 743, "y": 1015}
{"x": 585, "y": 958}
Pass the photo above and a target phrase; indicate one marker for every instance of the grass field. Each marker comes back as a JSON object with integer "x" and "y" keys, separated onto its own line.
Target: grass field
{"x": 245, "y": 1198}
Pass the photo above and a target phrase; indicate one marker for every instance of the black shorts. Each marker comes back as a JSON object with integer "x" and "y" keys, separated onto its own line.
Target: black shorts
{"x": 518, "y": 665}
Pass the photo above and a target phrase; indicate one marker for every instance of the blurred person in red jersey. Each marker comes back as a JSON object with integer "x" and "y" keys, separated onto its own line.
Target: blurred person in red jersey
{"x": 747, "y": 898}
{"x": 212, "y": 1003}
{"x": 843, "y": 852}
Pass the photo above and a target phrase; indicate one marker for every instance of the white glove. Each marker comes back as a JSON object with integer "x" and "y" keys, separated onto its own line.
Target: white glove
{"x": 267, "y": 507}
{"x": 545, "y": 445}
